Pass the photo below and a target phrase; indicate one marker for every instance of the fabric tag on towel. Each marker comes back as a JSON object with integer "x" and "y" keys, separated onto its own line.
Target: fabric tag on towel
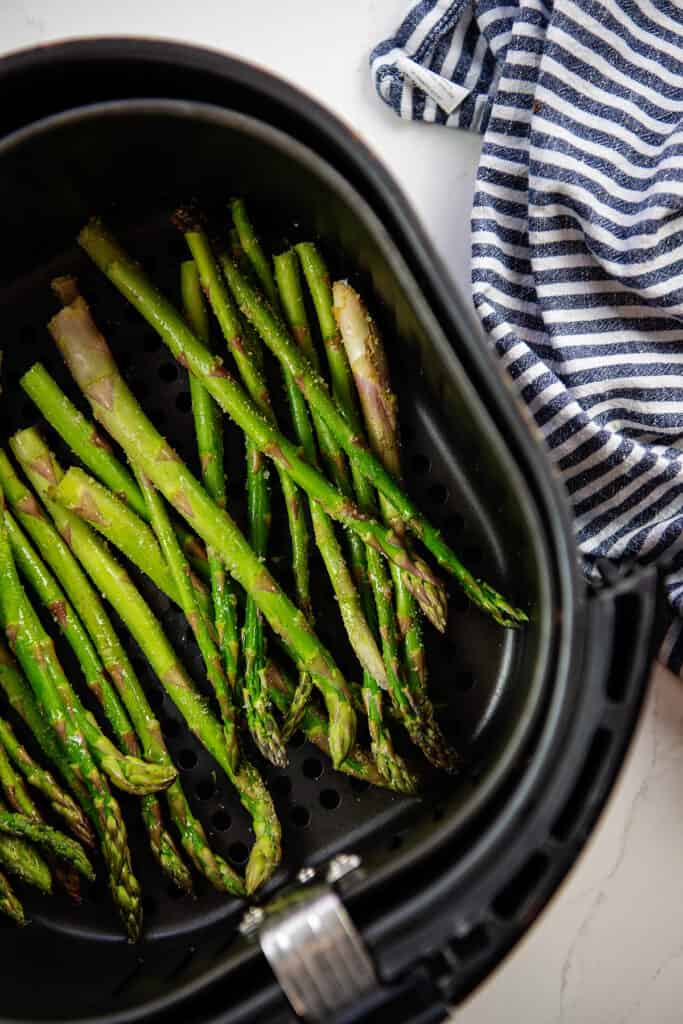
{"x": 446, "y": 94}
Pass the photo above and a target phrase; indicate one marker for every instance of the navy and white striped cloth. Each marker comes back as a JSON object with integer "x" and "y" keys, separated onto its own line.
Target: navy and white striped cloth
{"x": 577, "y": 239}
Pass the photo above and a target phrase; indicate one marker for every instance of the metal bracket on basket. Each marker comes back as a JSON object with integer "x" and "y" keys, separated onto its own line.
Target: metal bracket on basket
{"x": 313, "y": 946}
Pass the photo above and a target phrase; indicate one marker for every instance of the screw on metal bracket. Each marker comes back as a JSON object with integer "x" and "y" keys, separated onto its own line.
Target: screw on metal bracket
{"x": 342, "y": 865}
{"x": 252, "y": 921}
{"x": 305, "y": 875}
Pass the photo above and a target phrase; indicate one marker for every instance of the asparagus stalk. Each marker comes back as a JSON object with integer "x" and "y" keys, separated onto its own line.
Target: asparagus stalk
{"x": 92, "y": 365}
{"x": 370, "y": 370}
{"x": 411, "y": 700}
{"x": 50, "y": 839}
{"x": 35, "y": 652}
{"x": 9, "y": 904}
{"x": 209, "y": 430}
{"x": 262, "y": 725}
{"x": 160, "y": 313}
{"x": 41, "y": 780}
{"x": 113, "y": 582}
{"x": 210, "y": 653}
{"x": 51, "y": 595}
{"x": 83, "y": 438}
{"x": 21, "y": 699}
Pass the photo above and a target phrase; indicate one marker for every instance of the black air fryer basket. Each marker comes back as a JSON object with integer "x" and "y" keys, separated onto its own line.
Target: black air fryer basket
{"x": 437, "y": 889}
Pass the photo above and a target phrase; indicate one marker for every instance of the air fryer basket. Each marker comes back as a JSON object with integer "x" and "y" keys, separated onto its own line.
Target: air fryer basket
{"x": 525, "y": 707}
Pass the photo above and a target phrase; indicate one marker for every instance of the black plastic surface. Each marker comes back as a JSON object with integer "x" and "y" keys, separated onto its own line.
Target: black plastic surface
{"x": 503, "y": 694}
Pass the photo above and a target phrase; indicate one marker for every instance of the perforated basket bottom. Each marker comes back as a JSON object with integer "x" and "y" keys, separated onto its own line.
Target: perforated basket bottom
{"x": 321, "y": 811}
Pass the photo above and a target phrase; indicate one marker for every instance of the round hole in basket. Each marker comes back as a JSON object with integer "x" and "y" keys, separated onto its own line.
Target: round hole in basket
{"x": 330, "y": 799}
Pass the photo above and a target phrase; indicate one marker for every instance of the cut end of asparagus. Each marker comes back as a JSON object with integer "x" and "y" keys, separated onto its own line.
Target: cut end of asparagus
{"x": 188, "y": 218}
{"x": 65, "y": 288}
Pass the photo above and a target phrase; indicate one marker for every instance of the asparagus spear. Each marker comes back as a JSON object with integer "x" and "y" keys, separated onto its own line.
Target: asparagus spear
{"x": 411, "y": 700}
{"x": 389, "y": 763}
{"x": 83, "y": 438}
{"x": 51, "y": 595}
{"x": 113, "y": 582}
{"x": 209, "y": 651}
{"x": 370, "y": 370}
{"x": 136, "y": 287}
{"x": 209, "y": 430}
{"x": 262, "y": 725}
{"x": 21, "y": 698}
{"x": 35, "y": 652}
{"x": 9, "y": 904}
{"x": 95, "y": 372}
{"x": 21, "y": 801}
{"x": 41, "y": 780}
{"x": 55, "y": 842}
{"x": 21, "y": 860}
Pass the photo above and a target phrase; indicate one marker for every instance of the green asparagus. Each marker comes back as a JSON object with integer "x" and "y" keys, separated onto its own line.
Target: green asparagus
{"x": 209, "y": 430}
{"x": 35, "y": 652}
{"x": 92, "y": 365}
{"x": 83, "y": 438}
{"x": 51, "y": 595}
{"x": 65, "y": 849}
{"x": 113, "y": 582}
{"x": 160, "y": 313}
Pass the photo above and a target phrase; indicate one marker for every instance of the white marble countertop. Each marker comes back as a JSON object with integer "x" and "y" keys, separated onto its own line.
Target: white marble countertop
{"x": 609, "y": 949}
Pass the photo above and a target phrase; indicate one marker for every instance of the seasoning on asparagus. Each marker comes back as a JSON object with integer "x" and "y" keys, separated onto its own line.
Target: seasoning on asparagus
{"x": 160, "y": 313}
{"x": 114, "y": 583}
{"x": 35, "y": 652}
{"x": 92, "y": 365}
{"x": 208, "y": 428}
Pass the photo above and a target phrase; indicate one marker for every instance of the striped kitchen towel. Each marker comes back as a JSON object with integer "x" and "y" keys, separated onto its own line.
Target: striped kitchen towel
{"x": 577, "y": 239}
